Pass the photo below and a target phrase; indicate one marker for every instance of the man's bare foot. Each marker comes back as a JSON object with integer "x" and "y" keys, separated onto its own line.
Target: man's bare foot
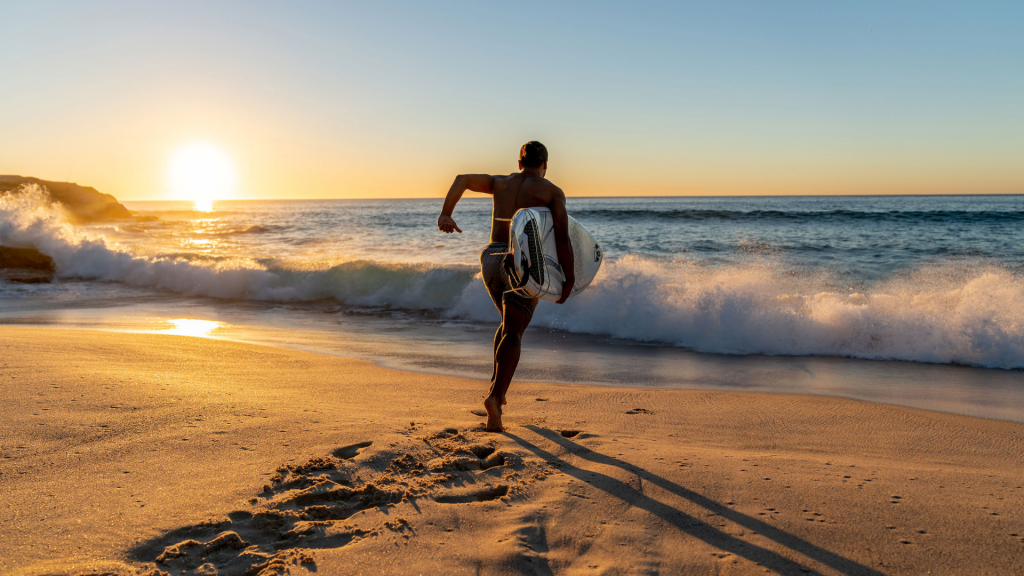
{"x": 503, "y": 401}
{"x": 493, "y": 407}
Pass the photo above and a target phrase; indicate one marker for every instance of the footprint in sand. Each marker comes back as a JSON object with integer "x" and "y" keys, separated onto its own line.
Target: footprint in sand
{"x": 481, "y": 451}
{"x": 493, "y": 462}
{"x": 484, "y": 495}
{"x": 350, "y": 451}
{"x": 337, "y": 499}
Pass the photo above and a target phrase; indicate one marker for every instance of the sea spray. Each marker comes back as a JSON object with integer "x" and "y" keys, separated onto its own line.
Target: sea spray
{"x": 28, "y": 220}
{"x": 976, "y": 318}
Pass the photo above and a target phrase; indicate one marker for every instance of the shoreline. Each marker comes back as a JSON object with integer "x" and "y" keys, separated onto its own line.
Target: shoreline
{"x": 118, "y": 446}
{"x": 992, "y": 393}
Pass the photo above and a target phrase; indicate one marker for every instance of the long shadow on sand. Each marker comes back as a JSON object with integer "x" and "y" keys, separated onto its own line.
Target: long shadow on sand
{"x": 689, "y": 524}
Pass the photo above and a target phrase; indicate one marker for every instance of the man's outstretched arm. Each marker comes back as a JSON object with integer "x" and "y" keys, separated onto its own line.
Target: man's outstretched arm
{"x": 463, "y": 182}
{"x": 562, "y": 244}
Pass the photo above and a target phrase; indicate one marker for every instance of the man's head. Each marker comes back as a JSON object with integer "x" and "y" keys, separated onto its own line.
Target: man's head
{"x": 533, "y": 155}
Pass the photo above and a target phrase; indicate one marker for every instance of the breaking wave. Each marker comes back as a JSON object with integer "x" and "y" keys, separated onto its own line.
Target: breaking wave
{"x": 251, "y": 229}
{"x": 966, "y": 315}
{"x": 963, "y": 314}
{"x": 26, "y": 220}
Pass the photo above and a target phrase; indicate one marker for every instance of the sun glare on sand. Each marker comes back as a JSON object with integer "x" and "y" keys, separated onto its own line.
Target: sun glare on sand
{"x": 189, "y": 327}
{"x": 202, "y": 174}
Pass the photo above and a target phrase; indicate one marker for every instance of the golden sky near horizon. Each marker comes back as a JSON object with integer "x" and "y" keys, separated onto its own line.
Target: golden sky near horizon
{"x": 323, "y": 101}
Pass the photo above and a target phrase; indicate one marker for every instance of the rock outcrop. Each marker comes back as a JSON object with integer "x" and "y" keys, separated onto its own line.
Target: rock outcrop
{"x": 25, "y": 266}
{"x": 82, "y": 202}
{"x": 24, "y": 258}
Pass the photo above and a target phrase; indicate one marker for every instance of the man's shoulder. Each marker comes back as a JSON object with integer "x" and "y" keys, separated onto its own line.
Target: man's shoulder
{"x": 502, "y": 180}
{"x": 537, "y": 187}
{"x": 545, "y": 186}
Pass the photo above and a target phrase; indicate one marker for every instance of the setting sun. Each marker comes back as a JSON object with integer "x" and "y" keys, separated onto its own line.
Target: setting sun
{"x": 201, "y": 173}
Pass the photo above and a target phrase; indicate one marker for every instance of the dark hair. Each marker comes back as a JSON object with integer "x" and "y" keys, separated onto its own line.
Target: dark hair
{"x": 533, "y": 154}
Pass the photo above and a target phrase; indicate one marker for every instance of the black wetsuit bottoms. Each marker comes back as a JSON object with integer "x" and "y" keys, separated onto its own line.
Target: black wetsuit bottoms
{"x": 492, "y": 266}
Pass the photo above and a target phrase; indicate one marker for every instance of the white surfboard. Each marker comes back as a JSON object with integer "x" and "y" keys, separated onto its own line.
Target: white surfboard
{"x": 533, "y": 264}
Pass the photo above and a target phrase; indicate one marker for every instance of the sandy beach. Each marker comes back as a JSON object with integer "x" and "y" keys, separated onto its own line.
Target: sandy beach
{"x": 127, "y": 453}
{"x": 750, "y": 277}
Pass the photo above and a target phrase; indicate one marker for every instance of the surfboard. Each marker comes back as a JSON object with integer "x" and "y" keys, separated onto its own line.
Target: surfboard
{"x": 532, "y": 263}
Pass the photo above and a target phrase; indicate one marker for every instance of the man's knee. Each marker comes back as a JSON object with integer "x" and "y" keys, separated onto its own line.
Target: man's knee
{"x": 515, "y": 322}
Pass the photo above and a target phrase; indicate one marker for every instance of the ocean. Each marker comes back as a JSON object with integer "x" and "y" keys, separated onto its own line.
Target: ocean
{"x": 694, "y": 292}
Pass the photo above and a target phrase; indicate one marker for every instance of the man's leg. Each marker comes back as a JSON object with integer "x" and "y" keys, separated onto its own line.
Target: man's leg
{"x": 497, "y": 340}
{"x": 496, "y": 283}
{"x": 506, "y": 358}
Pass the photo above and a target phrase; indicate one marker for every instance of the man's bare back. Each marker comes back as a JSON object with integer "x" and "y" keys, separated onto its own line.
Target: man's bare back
{"x": 526, "y": 189}
{"x": 515, "y": 191}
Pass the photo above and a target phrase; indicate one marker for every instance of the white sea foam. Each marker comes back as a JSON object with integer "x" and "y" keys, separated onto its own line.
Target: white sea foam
{"x": 953, "y": 315}
{"x": 27, "y": 220}
{"x": 946, "y": 314}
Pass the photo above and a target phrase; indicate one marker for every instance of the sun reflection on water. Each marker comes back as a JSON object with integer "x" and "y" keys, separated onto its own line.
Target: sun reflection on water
{"x": 203, "y": 205}
{"x": 189, "y": 327}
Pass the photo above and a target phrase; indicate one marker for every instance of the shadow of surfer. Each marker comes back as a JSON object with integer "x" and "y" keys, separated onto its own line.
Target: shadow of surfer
{"x": 673, "y": 514}
{"x": 527, "y": 188}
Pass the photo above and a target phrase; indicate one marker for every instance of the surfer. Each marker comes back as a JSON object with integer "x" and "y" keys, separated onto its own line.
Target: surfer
{"x": 525, "y": 189}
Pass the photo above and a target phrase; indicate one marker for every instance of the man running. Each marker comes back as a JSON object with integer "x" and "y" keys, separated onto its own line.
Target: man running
{"x": 525, "y": 189}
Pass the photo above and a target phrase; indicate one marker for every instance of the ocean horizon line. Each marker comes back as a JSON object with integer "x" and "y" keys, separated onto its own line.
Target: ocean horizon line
{"x": 441, "y": 198}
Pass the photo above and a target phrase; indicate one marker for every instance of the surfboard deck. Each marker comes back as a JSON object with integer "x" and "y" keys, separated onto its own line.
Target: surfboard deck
{"x": 534, "y": 266}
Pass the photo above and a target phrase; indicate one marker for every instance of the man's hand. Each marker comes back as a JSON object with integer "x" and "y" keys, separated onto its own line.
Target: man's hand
{"x": 447, "y": 224}
{"x": 563, "y": 246}
{"x": 566, "y": 290}
{"x": 463, "y": 182}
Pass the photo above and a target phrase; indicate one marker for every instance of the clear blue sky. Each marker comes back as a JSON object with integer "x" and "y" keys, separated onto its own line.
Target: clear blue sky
{"x": 331, "y": 99}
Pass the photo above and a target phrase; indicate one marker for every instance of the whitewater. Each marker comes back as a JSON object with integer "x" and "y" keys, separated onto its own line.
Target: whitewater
{"x": 922, "y": 279}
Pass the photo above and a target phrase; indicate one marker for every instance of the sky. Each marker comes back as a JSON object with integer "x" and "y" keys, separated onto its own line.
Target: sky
{"x": 393, "y": 99}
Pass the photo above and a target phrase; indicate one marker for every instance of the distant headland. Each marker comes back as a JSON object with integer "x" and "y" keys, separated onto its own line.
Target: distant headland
{"x": 84, "y": 203}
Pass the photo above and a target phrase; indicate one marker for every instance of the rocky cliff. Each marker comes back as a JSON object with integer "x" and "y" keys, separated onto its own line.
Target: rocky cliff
{"x": 83, "y": 202}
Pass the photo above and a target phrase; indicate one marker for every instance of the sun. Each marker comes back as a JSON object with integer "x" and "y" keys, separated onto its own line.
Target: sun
{"x": 201, "y": 173}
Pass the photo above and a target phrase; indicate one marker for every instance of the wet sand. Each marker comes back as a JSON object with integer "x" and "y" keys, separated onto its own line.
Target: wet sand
{"x": 137, "y": 452}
